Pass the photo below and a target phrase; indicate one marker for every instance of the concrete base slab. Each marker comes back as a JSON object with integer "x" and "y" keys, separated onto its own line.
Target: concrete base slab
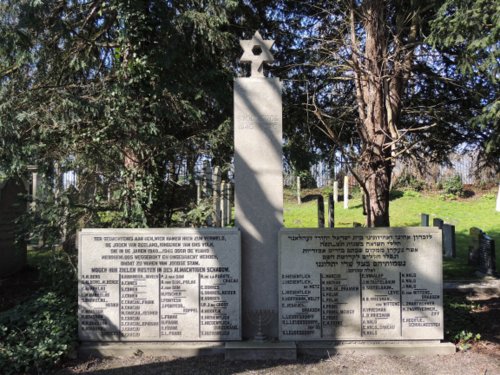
{"x": 325, "y": 349}
{"x": 253, "y": 350}
{"x": 124, "y": 349}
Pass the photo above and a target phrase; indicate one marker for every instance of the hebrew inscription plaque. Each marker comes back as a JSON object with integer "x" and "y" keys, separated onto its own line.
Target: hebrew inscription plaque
{"x": 361, "y": 284}
{"x": 159, "y": 284}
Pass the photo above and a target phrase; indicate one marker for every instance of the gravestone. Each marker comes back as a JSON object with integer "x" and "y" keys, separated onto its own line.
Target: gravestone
{"x": 498, "y": 199}
{"x": 361, "y": 284}
{"x": 486, "y": 255}
{"x": 346, "y": 192}
{"x": 424, "y": 220}
{"x": 12, "y": 207}
{"x": 258, "y": 179}
{"x": 449, "y": 242}
{"x": 335, "y": 191}
{"x": 176, "y": 284}
{"x": 331, "y": 211}
{"x": 436, "y": 222}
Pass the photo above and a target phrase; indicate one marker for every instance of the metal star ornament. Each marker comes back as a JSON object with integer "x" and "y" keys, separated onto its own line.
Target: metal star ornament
{"x": 257, "y": 51}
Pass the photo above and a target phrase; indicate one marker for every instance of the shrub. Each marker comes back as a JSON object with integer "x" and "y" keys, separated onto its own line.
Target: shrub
{"x": 409, "y": 182}
{"x": 37, "y": 334}
{"x": 454, "y": 186}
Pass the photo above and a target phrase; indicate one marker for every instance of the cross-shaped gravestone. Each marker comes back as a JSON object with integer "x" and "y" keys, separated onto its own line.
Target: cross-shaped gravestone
{"x": 257, "y": 51}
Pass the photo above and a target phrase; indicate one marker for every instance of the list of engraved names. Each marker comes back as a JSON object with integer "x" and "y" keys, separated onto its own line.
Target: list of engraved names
{"x": 159, "y": 284}
{"x": 361, "y": 284}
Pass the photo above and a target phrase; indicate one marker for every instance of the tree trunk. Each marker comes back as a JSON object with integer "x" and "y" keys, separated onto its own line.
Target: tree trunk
{"x": 375, "y": 164}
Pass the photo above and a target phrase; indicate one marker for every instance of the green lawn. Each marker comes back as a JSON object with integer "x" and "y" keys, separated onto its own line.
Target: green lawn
{"x": 478, "y": 211}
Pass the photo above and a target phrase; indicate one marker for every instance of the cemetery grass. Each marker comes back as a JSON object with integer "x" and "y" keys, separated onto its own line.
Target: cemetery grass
{"x": 405, "y": 209}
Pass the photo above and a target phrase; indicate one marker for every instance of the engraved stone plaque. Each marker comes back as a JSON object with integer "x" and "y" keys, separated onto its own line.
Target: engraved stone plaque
{"x": 361, "y": 284}
{"x": 177, "y": 284}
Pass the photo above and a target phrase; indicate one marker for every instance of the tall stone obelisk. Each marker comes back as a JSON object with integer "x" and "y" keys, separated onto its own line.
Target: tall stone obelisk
{"x": 258, "y": 177}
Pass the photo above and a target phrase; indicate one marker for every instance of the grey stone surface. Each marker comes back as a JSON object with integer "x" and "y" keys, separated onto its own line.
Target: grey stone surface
{"x": 346, "y": 192}
{"x": 361, "y": 284}
{"x": 436, "y": 222}
{"x": 154, "y": 349}
{"x": 449, "y": 242}
{"x": 419, "y": 348}
{"x": 12, "y": 206}
{"x": 258, "y": 181}
{"x": 424, "y": 220}
{"x": 335, "y": 191}
{"x": 251, "y": 350}
{"x": 177, "y": 284}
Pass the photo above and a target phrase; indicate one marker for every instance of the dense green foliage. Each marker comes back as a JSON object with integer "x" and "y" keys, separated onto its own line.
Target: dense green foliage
{"x": 38, "y": 333}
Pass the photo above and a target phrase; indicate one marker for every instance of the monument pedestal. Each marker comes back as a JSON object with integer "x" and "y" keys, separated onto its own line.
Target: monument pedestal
{"x": 254, "y": 350}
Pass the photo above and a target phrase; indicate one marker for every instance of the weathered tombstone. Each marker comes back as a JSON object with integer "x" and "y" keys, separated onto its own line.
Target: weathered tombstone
{"x": 228, "y": 203}
{"x": 373, "y": 286}
{"x": 424, "y": 220}
{"x": 474, "y": 236}
{"x": 223, "y": 204}
{"x": 449, "y": 242}
{"x": 198, "y": 191}
{"x": 299, "y": 201}
{"x": 498, "y": 199}
{"x": 335, "y": 191}
{"x": 207, "y": 180}
{"x": 216, "y": 196}
{"x": 175, "y": 284}
{"x": 321, "y": 207}
{"x": 331, "y": 211}
{"x": 12, "y": 207}
{"x": 258, "y": 179}
{"x": 346, "y": 192}
{"x": 486, "y": 255}
{"x": 436, "y": 222}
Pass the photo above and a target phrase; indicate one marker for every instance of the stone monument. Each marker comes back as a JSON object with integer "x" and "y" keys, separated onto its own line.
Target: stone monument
{"x": 258, "y": 179}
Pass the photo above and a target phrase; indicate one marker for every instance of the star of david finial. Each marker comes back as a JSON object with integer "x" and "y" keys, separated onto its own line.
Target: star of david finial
{"x": 257, "y": 51}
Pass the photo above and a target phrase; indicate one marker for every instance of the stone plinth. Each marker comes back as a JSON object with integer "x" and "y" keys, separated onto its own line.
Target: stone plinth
{"x": 258, "y": 192}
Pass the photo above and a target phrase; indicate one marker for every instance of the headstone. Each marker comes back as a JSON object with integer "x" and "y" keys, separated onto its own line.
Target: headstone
{"x": 299, "y": 201}
{"x": 424, "y": 220}
{"x": 498, "y": 199}
{"x": 335, "y": 191}
{"x": 449, "y": 242}
{"x": 474, "y": 239}
{"x": 228, "y": 203}
{"x": 486, "y": 255}
{"x": 346, "y": 192}
{"x": 198, "y": 191}
{"x": 12, "y": 207}
{"x": 436, "y": 222}
{"x": 258, "y": 178}
{"x": 331, "y": 211}
{"x": 171, "y": 284}
{"x": 321, "y": 207}
{"x": 207, "y": 180}
{"x": 216, "y": 196}
{"x": 361, "y": 284}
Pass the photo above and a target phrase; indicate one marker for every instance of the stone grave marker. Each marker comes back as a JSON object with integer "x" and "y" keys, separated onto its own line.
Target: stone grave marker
{"x": 346, "y": 192}
{"x": 424, "y": 220}
{"x": 361, "y": 284}
{"x": 176, "y": 284}
{"x": 449, "y": 241}
{"x": 335, "y": 191}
